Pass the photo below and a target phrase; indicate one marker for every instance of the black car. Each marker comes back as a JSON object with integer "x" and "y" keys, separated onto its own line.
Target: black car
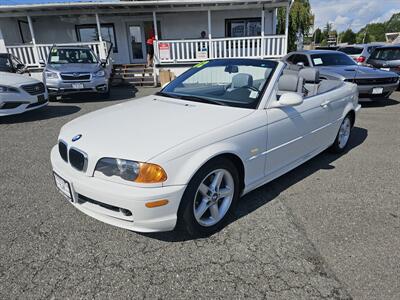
{"x": 9, "y": 63}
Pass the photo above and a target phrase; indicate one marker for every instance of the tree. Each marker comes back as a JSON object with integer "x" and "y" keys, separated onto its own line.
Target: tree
{"x": 317, "y": 37}
{"x": 348, "y": 37}
{"x": 300, "y": 19}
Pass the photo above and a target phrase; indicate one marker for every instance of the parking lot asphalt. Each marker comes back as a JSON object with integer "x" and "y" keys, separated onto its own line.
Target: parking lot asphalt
{"x": 329, "y": 229}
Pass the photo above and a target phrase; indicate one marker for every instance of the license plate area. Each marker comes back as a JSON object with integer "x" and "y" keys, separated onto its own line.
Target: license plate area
{"x": 377, "y": 91}
{"x": 385, "y": 69}
{"x": 63, "y": 186}
{"x": 77, "y": 86}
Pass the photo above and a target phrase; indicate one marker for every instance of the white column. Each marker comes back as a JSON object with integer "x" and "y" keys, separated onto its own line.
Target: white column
{"x": 274, "y": 20}
{"x": 286, "y": 30}
{"x": 210, "y": 48}
{"x": 101, "y": 47}
{"x": 262, "y": 33}
{"x": 3, "y": 48}
{"x": 155, "y": 25}
{"x": 35, "y": 50}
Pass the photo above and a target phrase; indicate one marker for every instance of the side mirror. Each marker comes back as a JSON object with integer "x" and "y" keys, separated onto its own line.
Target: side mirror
{"x": 290, "y": 99}
{"x": 103, "y": 62}
{"x": 20, "y": 66}
{"x": 300, "y": 64}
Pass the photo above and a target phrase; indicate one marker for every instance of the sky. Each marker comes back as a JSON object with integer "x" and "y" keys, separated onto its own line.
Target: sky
{"x": 342, "y": 13}
{"x": 352, "y": 13}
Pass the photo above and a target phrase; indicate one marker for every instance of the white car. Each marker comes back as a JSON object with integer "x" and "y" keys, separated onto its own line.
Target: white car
{"x": 20, "y": 93}
{"x": 184, "y": 156}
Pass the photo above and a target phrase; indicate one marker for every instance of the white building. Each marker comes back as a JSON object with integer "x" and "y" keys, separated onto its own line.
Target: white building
{"x": 233, "y": 29}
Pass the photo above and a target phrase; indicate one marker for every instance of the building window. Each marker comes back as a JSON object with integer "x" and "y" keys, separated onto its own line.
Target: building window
{"x": 243, "y": 27}
{"x": 25, "y": 32}
{"x": 88, "y": 33}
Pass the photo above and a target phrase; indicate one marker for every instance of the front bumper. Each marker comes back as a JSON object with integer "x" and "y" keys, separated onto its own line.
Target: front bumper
{"x": 58, "y": 87}
{"x": 23, "y": 102}
{"x": 101, "y": 199}
{"x": 366, "y": 91}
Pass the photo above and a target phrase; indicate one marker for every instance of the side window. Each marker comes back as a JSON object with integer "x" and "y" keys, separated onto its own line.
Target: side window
{"x": 301, "y": 59}
{"x": 291, "y": 58}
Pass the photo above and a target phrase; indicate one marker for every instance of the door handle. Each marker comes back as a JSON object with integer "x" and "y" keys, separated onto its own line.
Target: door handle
{"x": 325, "y": 103}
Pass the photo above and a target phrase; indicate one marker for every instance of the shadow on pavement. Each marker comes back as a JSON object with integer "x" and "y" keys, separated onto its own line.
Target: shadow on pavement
{"x": 44, "y": 113}
{"x": 272, "y": 190}
{"x": 116, "y": 94}
{"x": 378, "y": 103}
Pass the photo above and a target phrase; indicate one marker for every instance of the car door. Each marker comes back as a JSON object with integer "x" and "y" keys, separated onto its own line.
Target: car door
{"x": 295, "y": 133}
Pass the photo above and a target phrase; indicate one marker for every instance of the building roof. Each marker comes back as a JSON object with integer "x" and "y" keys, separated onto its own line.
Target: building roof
{"x": 133, "y": 6}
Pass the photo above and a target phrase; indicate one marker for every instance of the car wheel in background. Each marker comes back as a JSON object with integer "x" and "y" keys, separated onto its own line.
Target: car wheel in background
{"x": 210, "y": 198}
{"x": 343, "y": 136}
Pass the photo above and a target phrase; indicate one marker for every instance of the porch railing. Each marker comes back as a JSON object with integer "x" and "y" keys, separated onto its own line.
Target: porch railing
{"x": 31, "y": 54}
{"x": 184, "y": 51}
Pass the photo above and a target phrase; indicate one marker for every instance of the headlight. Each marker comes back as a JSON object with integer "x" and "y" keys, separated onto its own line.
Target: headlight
{"x": 51, "y": 75}
{"x": 8, "y": 89}
{"x": 131, "y": 170}
{"x": 100, "y": 73}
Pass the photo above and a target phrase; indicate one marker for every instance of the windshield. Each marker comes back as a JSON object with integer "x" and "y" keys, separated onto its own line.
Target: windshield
{"x": 331, "y": 59}
{"x": 72, "y": 56}
{"x": 232, "y": 82}
{"x": 351, "y": 50}
{"x": 386, "y": 54}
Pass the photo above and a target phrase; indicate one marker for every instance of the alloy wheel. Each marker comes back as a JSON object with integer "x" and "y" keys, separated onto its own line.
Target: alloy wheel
{"x": 213, "y": 197}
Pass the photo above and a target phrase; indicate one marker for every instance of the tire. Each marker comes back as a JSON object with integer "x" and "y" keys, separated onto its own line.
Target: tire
{"x": 200, "y": 197}
{"x": 343, "y": 136}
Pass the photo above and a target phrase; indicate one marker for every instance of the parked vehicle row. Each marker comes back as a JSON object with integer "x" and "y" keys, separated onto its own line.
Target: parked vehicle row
{"x": 67, "y": 70}
{"x": 371, "y": 82}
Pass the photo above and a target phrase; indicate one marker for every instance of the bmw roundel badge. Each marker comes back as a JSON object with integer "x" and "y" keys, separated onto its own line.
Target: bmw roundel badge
{"x": 77, "y": 137}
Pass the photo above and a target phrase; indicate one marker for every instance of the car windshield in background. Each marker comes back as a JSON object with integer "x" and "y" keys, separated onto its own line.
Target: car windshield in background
{"x": 72, "y": 56}
{"x": 331, "y": 59}
{"x": 351, "y": 50}
{"x": 233, "y": 82}
{"x": 4, "y": 62}
{"x": 386, "y": 54}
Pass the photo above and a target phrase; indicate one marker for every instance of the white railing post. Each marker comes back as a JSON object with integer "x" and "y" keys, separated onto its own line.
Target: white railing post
{"x": 210, "y": 46}
{"x": 262, "y": 33}
{"x": 35, "y": 50}
{"x": 286, "y": 31}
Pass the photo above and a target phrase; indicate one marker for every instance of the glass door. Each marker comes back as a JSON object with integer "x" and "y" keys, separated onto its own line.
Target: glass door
{"x": 136, "y": 43}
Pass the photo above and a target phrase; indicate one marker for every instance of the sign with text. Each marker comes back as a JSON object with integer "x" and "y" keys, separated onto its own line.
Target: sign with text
{"x": 164, "y": 50}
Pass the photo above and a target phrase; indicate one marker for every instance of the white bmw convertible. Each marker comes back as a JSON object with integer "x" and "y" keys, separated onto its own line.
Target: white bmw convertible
{"x": 184, "y": 156}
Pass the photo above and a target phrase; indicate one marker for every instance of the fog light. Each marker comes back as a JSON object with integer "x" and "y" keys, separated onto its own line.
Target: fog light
{"x": 157, "y": 203}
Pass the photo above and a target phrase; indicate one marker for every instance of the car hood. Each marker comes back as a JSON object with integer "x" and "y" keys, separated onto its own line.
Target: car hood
{"x": 71, "y": 68}
{"x": 144, "y": 128}
{"x": 351, "y": 72}
{"x": 13, "y": 79}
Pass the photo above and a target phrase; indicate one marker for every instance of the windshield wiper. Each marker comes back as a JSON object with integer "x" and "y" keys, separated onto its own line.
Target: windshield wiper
{"x": 191, "y": 98}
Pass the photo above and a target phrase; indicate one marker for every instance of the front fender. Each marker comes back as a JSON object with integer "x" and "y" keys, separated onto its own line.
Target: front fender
{"x": 182, "y": 169}
{"x": 248, "y": 147}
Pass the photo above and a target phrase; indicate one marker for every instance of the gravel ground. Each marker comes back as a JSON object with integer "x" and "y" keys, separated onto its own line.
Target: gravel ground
{"x": 329, "y": 229}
